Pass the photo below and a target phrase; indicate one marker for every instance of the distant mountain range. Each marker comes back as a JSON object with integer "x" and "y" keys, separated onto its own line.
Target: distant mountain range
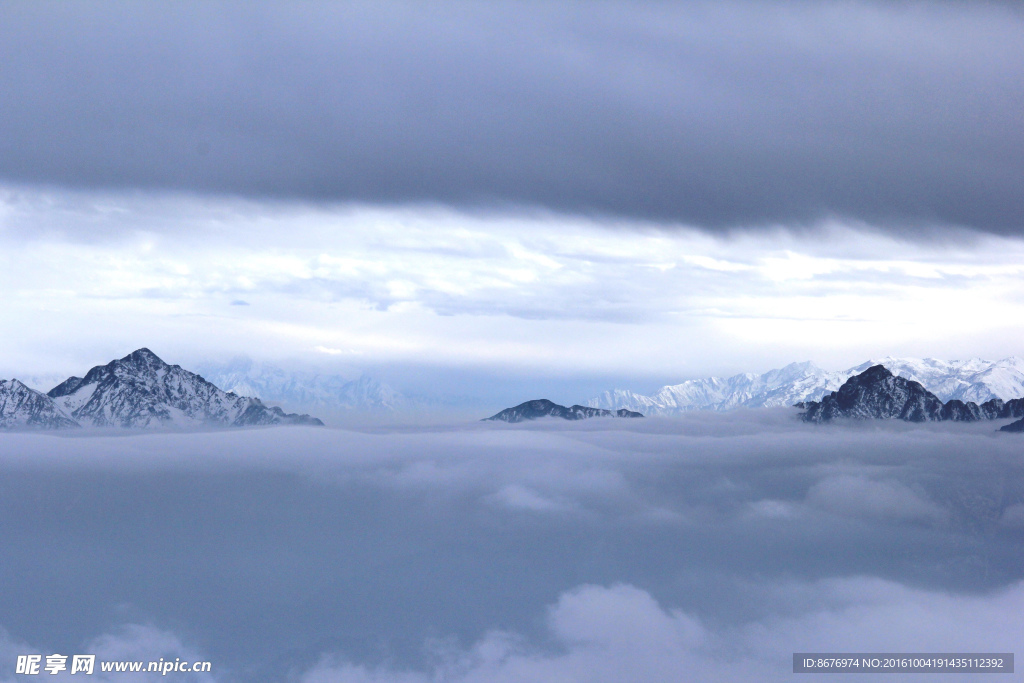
{"x": 878, "y": 394}
{"x": 532, "y": 410}
{"x": 303, "y": 390}
{"x": 973, "y": 380}
{"x": 138, "y": 391}
{"x": 142, "y": 391}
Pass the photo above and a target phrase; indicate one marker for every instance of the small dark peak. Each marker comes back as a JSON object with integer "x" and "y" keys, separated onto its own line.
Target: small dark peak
{"x": 1013, "y": 408}
{"x": 875, "y": 373}
{"x": 542, "y": 407}
{"x": 958, "y": 411}
{"x": 578, "y": 412}
{"x": 992, "y": 408}
{"x": 144, "y": 357}
{"x": 530, "y": 410}
{"x": 1017, "y": 426}
{"x": 137, "y": 363}
{"x": 68, "y": 386}
{"x": 257, "y": 414}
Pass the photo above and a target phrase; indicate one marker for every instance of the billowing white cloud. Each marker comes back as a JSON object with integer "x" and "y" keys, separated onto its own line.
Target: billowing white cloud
{"x": 1013, "y": 515}
{"x": 518, "y": 497}
{"x": 858, "y": 495}
{"x": 619, "y": 633}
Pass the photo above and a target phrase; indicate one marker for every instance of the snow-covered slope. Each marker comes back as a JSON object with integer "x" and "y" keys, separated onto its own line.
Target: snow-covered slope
{"x": 973, "y": 380}
{"x": 24, "y": 408}
{"x": 142, "y": 391}
{"x": 794, "y": 383}
{"x": 303, "y": 390}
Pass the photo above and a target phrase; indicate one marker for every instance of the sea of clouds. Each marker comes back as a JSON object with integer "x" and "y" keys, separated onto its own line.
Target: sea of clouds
{"x": 707, "y": 547}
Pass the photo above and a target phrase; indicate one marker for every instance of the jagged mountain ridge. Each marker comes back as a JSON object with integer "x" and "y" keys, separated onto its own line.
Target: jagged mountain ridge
{"x": 877, "y": 393}
{"x": 532, "y": 410}
{"x": 137, "y": 391}
{"x": 972, "y": 380}
{"x": 303, "y": 390}
{"x": 142, "y": 391}
{"x": 25, "y": 408}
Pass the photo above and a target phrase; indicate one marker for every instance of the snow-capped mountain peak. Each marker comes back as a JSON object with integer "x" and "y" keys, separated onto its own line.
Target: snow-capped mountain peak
{"x": 141, "y": 390}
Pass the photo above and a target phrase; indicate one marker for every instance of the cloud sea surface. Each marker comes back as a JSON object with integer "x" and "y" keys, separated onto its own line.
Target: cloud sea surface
{"x": 710, "y": 546}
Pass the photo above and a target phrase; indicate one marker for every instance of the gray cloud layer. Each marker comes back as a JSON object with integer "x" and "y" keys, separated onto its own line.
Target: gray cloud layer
{"x": 480, "y": 553}
{"x": 719, "y": 115}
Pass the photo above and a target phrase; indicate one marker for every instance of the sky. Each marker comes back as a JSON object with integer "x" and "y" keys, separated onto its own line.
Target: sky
{"x": 507, "y": 201}
{"x": 591, "y": 195}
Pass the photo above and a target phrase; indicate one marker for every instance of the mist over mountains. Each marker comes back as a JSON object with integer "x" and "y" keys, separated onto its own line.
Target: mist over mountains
{"x": 303, "y": 390}
{"x": 141, "y": 391}
{"x": 324, "y": 391}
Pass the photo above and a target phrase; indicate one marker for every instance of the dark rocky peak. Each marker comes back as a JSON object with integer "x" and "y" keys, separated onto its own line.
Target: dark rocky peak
{"x": 68, "y": 386}
{"x": 1017, "y": 426}
{"x": 531, "y": 410}
{"x": 542, "y": 407}
{"x": 1013, "y": 408}
{"x": 998, "y": 409}
{"x": 992, "y": 408}
{"x": 958, "y": 411}
{"x": 142, "y": 358}
{"x": 876, "y": 393}
{"x": 141, "y": 364}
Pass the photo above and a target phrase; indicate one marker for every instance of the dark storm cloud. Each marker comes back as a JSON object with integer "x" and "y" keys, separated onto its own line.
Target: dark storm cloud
{"x": 719, "y": 115}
